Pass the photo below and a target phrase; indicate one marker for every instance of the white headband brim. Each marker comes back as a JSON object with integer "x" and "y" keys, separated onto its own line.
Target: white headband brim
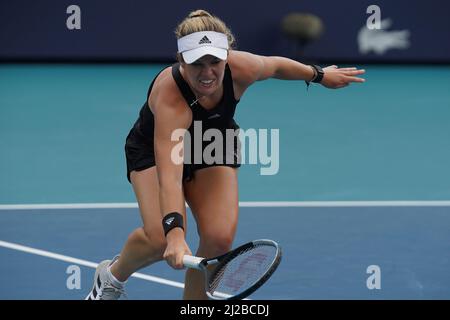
{"x": 198, "y": 44}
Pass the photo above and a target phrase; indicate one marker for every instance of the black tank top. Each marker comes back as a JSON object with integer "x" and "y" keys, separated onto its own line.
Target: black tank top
{"x": 220, "y": 117}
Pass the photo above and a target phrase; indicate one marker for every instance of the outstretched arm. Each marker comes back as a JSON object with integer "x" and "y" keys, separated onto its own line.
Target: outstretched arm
{"x": 256, "y": 68}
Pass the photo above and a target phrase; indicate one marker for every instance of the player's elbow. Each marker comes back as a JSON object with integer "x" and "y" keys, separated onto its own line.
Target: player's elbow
{"x": 270, "y": 68}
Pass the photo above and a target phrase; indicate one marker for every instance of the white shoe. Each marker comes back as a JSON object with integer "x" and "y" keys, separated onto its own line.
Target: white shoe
{"x": 103, "y": 289}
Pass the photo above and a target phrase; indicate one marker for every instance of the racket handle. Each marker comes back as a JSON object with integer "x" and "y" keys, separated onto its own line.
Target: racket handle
{"x": 192, "y": 262}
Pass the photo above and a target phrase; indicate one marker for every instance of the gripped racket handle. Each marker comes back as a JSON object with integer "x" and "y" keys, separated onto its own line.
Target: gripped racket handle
{"x": 192, "y": 262}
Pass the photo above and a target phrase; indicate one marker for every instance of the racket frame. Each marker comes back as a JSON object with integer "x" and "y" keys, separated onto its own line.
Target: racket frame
{"x": 202, "y": 264}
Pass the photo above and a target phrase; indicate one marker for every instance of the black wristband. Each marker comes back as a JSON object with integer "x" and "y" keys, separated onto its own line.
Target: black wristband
{"x": 172, "y": 220}
{"x": 318, "y": 75}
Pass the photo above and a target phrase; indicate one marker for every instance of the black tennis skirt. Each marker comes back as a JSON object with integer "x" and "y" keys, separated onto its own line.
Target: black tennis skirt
{"x": 140, "y": 155}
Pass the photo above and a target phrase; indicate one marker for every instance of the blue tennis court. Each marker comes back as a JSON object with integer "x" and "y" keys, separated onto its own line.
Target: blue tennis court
{"x": 326, "y": 251}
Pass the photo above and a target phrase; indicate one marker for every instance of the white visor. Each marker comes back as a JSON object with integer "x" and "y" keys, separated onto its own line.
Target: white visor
{"x": 198, "y": 44}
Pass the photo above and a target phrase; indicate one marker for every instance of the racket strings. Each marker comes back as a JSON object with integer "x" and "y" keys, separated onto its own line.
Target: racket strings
{"x": 243, "y": 271}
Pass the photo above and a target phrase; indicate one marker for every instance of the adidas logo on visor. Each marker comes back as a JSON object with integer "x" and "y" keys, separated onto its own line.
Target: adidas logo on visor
{"x": 204, "y": 40}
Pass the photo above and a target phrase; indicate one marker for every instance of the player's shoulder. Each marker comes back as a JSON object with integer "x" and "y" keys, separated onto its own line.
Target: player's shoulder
{"x": 245, "y": 66}
{"x": 165, "y": 92}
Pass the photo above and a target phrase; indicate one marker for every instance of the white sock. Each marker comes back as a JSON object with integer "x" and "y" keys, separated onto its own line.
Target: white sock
{"x": 116, "y": 283}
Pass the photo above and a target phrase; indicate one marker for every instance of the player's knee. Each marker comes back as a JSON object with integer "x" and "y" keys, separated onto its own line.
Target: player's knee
{"x": 218, "y": 243}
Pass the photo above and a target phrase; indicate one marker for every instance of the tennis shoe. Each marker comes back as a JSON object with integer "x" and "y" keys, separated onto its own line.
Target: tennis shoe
{"x": 103, "y": 289}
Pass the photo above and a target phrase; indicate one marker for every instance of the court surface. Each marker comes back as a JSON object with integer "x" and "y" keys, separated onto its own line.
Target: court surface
{"x": 327, "y": 251}
{"x": 363, "y": 181}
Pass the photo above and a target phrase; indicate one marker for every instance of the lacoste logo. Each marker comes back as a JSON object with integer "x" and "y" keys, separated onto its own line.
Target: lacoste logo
{"x": 204, "y": 40}
{"x": 380, "y": 41}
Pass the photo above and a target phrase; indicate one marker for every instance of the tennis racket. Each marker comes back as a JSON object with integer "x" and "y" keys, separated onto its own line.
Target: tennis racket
{"x": 238, "y": 273}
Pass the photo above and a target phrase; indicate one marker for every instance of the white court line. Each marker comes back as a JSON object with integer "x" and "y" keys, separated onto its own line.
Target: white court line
{"x": 68, "y": 206}
{"x": 334, "y": 204}
{"x": 81, "y": 262}
{"x": 56, "y": 256}
{"x": 251, "y": 204}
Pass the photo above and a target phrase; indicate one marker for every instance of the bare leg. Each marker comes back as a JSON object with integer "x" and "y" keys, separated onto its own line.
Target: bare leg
{"x": 144, "y": 245}
{"x": 213, "y": 198}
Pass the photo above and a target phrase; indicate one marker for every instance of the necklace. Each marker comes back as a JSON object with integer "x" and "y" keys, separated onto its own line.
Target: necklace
{"x": 195, "y": 101}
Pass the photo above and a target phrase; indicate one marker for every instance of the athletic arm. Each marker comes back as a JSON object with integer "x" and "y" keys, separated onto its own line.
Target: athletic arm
{"x": 171, "y": 117}
{"x": 252, "y": 67}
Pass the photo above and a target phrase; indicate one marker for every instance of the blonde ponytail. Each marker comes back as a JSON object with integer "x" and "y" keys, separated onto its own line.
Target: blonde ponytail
{"x": 201, "y": 20}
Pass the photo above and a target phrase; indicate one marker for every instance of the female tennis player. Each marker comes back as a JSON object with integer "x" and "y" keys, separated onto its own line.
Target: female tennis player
{"x": 204, "y": 86}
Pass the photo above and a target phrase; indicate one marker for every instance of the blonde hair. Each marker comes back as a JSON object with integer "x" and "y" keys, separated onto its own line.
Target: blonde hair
{"x": 201, "y": 20}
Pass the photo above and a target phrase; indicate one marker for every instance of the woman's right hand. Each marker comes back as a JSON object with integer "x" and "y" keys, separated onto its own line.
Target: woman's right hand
{"x": 176, "y": 248}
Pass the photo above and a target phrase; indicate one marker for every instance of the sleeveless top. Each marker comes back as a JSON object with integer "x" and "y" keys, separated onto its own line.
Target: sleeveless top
{"x": 220, "y": 117}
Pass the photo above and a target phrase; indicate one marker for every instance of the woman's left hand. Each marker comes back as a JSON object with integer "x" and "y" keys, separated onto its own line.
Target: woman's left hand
{"x": 335, "y": 78}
